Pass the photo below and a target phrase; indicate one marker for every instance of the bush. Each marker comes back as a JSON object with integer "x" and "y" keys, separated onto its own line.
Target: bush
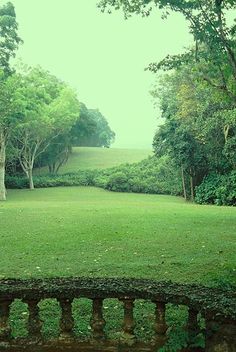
{"x": 152, "y": 175}
{"x": 101, "y": 181}
{"x": 217, "y": 189}
{"x": 17, "y": 181}
{"x": 82, "y": 178}
{"x": 118, "y": 182}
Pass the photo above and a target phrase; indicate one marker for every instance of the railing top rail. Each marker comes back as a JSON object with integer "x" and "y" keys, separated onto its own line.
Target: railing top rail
{"x": 212, "y": 301}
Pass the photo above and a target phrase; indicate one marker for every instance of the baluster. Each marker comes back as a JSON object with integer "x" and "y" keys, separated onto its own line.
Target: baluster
{"x": 97, "y": 321}
{"x": 34, "y": 324}
{"x": 67, "y": 321}
{"x": 128, "y": 324}
{"x": 160, "y": 325}
{"x": 4, "y": 320}
{"x": 192, "y": 323}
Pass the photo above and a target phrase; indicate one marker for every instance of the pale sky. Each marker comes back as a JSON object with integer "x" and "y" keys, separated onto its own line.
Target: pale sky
{"x": 102, "y": 56}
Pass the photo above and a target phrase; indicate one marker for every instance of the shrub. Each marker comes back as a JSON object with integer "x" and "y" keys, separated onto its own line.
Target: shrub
{"x": 217, "y": 189}
{"x": 17, "y": 181}
{"x": 152, "y": 175}
{"x": 101, "y": 181}
{"x": 82, "y": 178}
{"x": 118, "y": 182}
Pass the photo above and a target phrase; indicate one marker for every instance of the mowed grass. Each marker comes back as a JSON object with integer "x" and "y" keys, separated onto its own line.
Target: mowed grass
{"x": 100, "y": 158}
{"x": 84, "y": 231}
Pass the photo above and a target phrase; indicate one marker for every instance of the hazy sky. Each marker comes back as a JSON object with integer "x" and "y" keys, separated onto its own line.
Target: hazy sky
{"x": 102, "y": 56}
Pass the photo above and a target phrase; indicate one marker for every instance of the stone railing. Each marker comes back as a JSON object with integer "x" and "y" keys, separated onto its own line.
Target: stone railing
{"x": 217, "y": 307}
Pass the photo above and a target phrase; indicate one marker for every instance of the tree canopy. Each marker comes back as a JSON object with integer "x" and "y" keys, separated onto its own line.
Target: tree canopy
{"x": 197, "y": 97}
{"x": 39, "y": 113}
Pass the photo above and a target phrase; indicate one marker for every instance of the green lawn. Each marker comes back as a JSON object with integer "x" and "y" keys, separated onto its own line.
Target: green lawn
{"x": 86, "y": 231}
{"x": 100, "y": 158}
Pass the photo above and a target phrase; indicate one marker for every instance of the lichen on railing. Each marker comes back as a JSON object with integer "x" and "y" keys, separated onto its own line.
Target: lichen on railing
{"x": 216, "y": 307}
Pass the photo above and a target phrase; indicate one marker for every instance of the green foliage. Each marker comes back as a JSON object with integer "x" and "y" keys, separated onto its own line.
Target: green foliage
{"x": 152, "y": 175}
{"x": 118, "y": 181}
{"x": 9, "y": 37}
{"x": 83, "y": 178}
{"x": 213, "y": 34}
{"x": 50, "y": 109}
{"x": 92, "y": 130}
{"x": 199, "y": 127}
{"x": 217, "y": 189}
{"x": 197, "y": 98}
{"x": 84, "y": 128}
{"x": 177, "y": 340}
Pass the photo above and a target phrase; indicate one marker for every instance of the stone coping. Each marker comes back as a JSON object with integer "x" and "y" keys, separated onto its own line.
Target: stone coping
{"x": 212, "y": 302}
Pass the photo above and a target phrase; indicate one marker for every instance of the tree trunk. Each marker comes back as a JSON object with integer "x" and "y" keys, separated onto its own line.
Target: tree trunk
{"x": 2, "y": 167}
{"x": 31, "y": 182}
{"x": 191, "y": 188}
{"x": 183, "y": 183}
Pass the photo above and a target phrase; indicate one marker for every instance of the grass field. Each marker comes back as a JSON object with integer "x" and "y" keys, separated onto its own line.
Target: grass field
{"x": 100, "y": 158}
{"x": 86, "y": 231}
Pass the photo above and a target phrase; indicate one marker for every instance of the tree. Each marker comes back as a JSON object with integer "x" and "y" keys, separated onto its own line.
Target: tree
{"x": 8, "y": 85}
{"x": 9, "y": 38}
{"x": 84, "y": 128}
{"x": 214, "y": 36}
{"x": 92, "y": 130}
{"x": 57, "y": 153}
{"x": 51, "y": 108}
{"x": 199, "y": 126}
{"x": 198, "y": 99}
{"x": 11, "y": 109}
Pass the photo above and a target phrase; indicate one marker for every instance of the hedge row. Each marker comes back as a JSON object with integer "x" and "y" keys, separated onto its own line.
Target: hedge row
{"x": 149, "y": 176}
{"x": 152, "y": 175}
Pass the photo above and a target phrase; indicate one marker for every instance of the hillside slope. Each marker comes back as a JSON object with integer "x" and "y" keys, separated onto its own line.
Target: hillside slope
{"x": 101, "y": 158}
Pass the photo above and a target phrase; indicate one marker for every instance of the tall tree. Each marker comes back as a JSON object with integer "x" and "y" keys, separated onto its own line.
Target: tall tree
{"x": 48, "y": 113}
{"x": 9, "y": 38}
{"x": 11, "y": 110}
{"x": 199, "y": 125}
{"x": 84, "y": 128}
{"x": 213, "y": 33}
{"x": 8, "y": 100}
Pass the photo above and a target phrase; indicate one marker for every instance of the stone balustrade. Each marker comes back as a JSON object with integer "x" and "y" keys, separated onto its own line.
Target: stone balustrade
{"x": 217, "y": 307}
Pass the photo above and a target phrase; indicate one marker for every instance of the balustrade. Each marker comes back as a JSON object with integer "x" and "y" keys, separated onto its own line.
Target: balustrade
{"x": 160, "y": 324}
{"x": 4, "y": 319}
{"x": 217, "y": 308}
{"x": 67, "y": 321}
{"x": 97, "y": 321}
{"x": 34, "y": 324}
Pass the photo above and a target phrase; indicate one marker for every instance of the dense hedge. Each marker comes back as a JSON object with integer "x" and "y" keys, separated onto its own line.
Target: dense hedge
{"x": 152, "y": 175}
{"x": 217, "y": 189}
{"x": 83, "y": 178}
